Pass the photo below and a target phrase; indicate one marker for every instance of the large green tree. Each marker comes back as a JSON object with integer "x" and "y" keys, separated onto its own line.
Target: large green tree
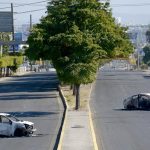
{"x": 75, "y": 35}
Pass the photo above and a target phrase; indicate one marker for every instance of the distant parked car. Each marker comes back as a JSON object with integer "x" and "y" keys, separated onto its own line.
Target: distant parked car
{"x": 139, "y": 101}
{"x": 11, "y": 126}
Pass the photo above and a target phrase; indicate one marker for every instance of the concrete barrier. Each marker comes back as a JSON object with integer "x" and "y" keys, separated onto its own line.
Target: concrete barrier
{"x": 58, "y": 144}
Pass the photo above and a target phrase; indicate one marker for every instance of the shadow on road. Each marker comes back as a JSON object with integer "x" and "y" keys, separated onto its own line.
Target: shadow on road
{"x": 30, "y": 136}
{"x": 122, "y": 109}
{"x": 27, "y": 97}
{"x": 36, "y": 82}
{"x": 147, "y": 76}
{"x": 31, "y": 114}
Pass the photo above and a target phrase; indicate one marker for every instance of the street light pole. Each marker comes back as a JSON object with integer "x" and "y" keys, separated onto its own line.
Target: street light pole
{"x": 13, "y": 35}
{"x": 138, "y": 59}
{"x": 1, "y": 50}
{"x": 1, "y": 47}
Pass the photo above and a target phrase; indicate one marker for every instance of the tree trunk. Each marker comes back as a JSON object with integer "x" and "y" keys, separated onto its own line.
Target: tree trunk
{"x": 4, "y": 71}
{"x": 74, "y": 90}
{"x": 0, "y": 72}
{"x": 71, "y": 86}
{"x": 7, "y": 71}
{"x": 77, "y": 96}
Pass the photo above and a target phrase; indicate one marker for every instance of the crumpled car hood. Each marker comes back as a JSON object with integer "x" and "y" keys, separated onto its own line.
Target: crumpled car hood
{"x": 26, "y": 122}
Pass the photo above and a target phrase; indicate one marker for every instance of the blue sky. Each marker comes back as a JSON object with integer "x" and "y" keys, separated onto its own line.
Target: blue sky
{"x": 24, "y": 18}
{"x": 128, "y": 14}
{"x": 132, "y": 14}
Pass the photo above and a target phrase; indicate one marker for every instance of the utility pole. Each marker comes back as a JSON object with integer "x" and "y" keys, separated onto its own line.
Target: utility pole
{"x": 139, "y": 44}
{"x": 138, "y": 59}
{"x": 1, "y": 50}
{"x": 1, "y": 47}
{"x": 30, "y": 22}
{"x": 13, "y": 35}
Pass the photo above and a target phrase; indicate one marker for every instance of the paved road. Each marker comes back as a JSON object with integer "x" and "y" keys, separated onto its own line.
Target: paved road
{"x": 32, "y": 97}
{"x": 118, "y": 129}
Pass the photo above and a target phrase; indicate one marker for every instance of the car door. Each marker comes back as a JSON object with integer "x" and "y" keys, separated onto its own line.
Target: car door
{"x": 5, "y": 126}
{"x": 143, "y": 101}
{"x": 1, "y": 126}
{"x": 134, "y": 101}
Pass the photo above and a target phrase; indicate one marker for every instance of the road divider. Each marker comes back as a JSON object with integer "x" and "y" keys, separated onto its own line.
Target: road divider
{"x": 58, "y": 145}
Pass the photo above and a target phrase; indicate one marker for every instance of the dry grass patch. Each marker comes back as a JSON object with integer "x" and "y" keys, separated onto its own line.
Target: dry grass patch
{"x": 84, "y": 96}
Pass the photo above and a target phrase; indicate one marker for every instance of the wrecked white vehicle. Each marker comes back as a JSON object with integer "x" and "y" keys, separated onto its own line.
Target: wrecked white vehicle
{"x": 11, "y": 126}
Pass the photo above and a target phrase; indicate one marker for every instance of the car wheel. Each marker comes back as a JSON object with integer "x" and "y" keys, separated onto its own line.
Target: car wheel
{"x": 19, "y": 132}
{"x": 129, "y": 107}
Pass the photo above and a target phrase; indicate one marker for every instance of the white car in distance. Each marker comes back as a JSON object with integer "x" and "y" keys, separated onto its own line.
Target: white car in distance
{"x": 11, "y": 126}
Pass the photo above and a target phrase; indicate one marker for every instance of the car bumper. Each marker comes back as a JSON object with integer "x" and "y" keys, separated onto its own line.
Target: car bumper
{"x": 31, "y": 131}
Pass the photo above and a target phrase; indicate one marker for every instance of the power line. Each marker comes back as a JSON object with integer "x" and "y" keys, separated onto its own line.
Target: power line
{"x": 30, "y": 3}
{"x": 4, "y": 3}
{"x": 25, "y": 4}
{"x": 29, "y": 11}
{"x": 130, "y": 5}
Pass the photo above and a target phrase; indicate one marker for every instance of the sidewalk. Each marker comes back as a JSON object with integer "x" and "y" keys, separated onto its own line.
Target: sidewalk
{"x": 77, "y": 133}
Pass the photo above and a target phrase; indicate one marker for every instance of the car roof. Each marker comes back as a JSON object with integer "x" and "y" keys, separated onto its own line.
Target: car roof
{"x": 148, "y": 94}
{"x": 4, "y": 114}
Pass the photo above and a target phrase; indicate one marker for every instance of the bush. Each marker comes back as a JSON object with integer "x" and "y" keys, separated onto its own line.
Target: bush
{"x": 144, "y": 66}
{"x": 11, "y": 62}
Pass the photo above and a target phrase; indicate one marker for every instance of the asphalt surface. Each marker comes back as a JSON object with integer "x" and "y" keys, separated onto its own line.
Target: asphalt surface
{"x": 32, "y": 97}
{"x": 116, "y": 128}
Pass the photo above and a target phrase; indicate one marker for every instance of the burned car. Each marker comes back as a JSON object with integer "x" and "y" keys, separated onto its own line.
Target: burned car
{"x": 138, "y": 101}
{"x": 12, "y": 126}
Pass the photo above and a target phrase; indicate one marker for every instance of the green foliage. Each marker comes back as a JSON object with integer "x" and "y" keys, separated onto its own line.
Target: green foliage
{"x": 148, "y": 36}
{"x": 16, "y": 54}
{"x": 11, "y": 61}
{"x": 144, "y": 66}
{"x": 148, "y": 63}
{"x": 146, "y": 58}
{"x": 35, "y": 41}
{"x": 77, "y": 56}
{"x": 5, "y": 37}
{"x": 76, "y": 35}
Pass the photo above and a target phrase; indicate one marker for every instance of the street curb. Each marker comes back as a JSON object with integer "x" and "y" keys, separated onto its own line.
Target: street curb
{"x": 91, "y": 123}
{"x": 63, "y": 123}
{"x": 92, "y": 129}
{"x": 62, "y": 128}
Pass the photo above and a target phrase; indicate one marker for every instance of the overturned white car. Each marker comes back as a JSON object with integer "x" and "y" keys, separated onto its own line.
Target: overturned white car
{"x": 11, "y": 126}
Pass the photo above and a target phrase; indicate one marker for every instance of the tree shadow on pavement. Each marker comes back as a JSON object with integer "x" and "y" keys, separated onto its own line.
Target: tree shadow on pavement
{"x": 27, "y": 97}
{"x": 122, "y": 109}
{"x": 31, "y": 114}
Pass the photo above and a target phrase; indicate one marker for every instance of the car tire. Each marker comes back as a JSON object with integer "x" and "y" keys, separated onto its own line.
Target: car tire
{"x": 19, "y": 132}
{"x": 129, "y": 107}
